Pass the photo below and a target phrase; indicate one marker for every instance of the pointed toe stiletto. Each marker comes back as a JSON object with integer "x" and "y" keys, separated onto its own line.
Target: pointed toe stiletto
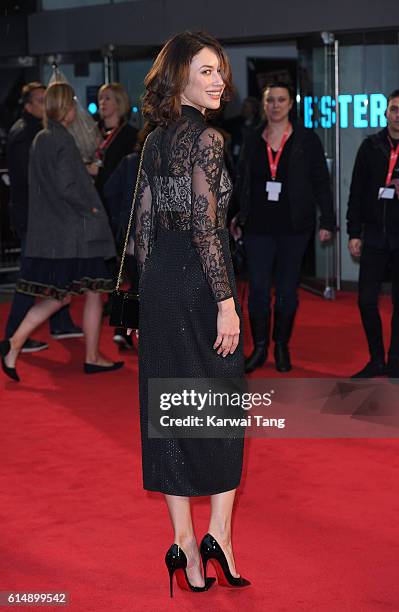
{"x": 4, "y": 350}
{"x": 211, "y": 551}
{"x": 176, "y": 562}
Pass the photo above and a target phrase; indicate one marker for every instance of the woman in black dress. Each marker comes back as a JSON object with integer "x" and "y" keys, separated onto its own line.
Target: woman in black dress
{"x": 189, "y": 314}
{"x": 68, "y": 237}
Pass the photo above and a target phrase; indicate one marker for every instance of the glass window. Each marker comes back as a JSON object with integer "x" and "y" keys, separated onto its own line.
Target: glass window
{"x": 367, "y": 74}
{"x": 83, "y": 86}
{"x": 368, "y": 70}
{"x": 131, "y": 75}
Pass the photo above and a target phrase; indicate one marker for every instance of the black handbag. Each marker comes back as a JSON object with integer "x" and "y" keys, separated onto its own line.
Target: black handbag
{"x": 124, "y": 310}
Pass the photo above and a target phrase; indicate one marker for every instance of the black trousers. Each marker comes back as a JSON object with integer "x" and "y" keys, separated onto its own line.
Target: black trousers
{"x": 281, "y": 254}
{"x": 373, "y": 264}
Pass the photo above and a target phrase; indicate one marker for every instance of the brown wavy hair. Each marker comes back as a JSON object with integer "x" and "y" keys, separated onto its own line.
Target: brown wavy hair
{"x": 169, "y": 75}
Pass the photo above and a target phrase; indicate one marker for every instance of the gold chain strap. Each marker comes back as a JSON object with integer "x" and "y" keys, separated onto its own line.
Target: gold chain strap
{"x": 131, "y": 217}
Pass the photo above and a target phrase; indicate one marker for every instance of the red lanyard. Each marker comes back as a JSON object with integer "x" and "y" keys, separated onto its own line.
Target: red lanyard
{"x": 106, "y": 142}
{"x": 273, "y": 163}
{"x": 392, "y": 161}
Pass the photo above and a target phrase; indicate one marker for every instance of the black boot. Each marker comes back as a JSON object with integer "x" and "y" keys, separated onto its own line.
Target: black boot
{"x": 282, "y": 357}
{"x": 393, "y": 353}
{"x": 375, "y": 367}
{"x": 260, "y": 328}
{"x": 372, "y": 326}
{"x": 393, "y": 366}
{"x": 282, "y": 329}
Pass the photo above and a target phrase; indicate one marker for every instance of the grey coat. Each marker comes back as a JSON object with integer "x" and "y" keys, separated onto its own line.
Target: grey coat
{"x": 66, "y": 216}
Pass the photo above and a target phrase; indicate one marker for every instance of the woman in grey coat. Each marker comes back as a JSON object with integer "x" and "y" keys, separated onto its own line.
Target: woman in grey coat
{"x": 68, "y": 240}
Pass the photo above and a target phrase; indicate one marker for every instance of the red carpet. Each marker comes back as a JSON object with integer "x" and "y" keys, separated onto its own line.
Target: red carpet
{"x": 316, "y": 525}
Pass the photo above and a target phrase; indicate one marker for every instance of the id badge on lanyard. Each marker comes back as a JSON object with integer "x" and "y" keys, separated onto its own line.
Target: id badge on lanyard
{"x": 387, "y": 192}
{"x": 273, "y": 187}
{"x": 273, "y": 190}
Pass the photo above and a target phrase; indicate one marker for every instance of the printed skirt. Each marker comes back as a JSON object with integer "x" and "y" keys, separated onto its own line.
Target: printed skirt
{"x": 57, "y": 278}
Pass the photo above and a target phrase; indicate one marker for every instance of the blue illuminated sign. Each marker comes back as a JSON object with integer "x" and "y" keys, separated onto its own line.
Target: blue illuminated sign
{"x": 357, "y": 111}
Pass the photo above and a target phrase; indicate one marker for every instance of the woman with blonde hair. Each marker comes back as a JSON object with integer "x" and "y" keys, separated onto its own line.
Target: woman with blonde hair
{"x": 189, "y": 312}
{"x": 68, "y": 237}
{"x": 118, "y": 140}
{"x": 119, "y": 137}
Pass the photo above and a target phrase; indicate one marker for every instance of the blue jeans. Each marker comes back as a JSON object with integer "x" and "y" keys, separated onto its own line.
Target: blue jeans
{"x": 281, "y": 254}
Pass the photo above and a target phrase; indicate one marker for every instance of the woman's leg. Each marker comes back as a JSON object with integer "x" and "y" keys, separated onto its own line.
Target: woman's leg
{"x": 260, "y": 252}
{"x": 289, "y": 258}
{"x": 220, "y": 524}
{"x": 92, "y": 317}
{"x": 290, "y": 253}
{"x": 180, "y": 514}
{"x": 40, "y": 312}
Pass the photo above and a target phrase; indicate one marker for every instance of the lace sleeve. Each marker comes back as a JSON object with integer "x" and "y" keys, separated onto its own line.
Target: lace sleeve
{"x": 143, "y": 222}
{"x": 208, "y": 164}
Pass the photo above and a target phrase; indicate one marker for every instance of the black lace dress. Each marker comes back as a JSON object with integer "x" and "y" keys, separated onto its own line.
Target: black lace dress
{"x": 182, "y": 249}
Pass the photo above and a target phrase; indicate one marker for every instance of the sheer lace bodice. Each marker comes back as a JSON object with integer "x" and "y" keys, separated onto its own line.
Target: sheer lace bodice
{"x": 184, "y": 186}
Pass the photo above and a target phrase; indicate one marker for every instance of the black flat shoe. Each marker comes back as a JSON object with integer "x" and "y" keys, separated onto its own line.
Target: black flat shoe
{"x": 4, "y": 350}
{"x": 211, "y": 551}
{"x": 92, "y": 368}
{"x": 176, "y": 562}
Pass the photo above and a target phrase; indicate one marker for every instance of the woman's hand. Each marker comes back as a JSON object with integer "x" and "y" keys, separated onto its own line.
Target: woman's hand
{"x": 325, "y": 235}
{"x": 228, "y": 328}
{"x": 235, "y": 229}
{"x": 92, "y": 169}
{"x": 355, "y": 247}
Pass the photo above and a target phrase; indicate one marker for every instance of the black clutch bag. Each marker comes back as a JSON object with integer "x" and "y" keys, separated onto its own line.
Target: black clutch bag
{"x": 124, "y": 309}
{"x": 125, "y": 304}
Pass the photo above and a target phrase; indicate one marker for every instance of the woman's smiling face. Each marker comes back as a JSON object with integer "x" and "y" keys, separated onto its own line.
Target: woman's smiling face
{"x": 205, "y": 83}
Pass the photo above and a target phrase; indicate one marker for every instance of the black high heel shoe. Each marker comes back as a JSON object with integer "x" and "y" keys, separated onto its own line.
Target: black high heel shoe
{"x": 5, "y": 348}
{"x": 211, "y": 551}
{"x": 176, "y": 562}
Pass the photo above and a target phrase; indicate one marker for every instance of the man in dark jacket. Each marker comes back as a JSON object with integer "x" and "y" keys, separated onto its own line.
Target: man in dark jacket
{"x": 19, "y": 143}
{"x": 373, "y": 228}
